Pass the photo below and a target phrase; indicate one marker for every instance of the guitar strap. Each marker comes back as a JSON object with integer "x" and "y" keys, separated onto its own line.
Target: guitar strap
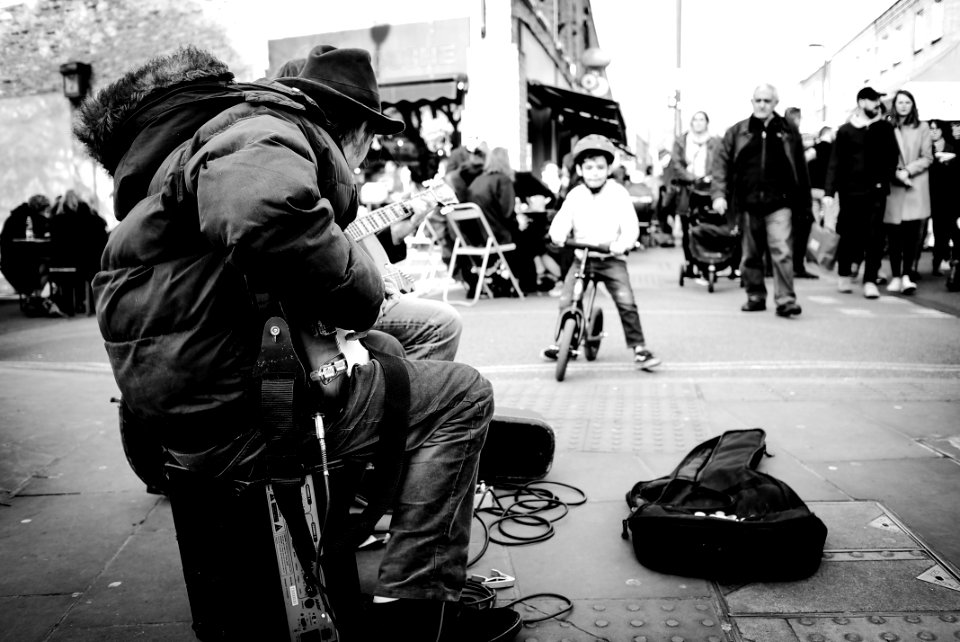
{"x": 279, "y": 369}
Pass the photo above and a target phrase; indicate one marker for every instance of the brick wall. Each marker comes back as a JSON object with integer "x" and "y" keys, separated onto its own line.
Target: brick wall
{"x": 37, "y": 153}
{"x": 36, "y": 37}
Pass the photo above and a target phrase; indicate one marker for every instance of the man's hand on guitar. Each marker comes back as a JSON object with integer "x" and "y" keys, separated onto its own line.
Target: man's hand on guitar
{"x": 391, "y": 296}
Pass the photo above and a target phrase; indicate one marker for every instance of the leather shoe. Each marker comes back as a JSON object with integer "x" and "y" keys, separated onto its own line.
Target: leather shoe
{"x": 788, "y": 309}
{"x": 754, "y": 305}
{"x": 405, "y": 619}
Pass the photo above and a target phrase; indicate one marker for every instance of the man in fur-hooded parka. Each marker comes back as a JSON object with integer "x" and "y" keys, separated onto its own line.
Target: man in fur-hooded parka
{"x": 222, "y": 191}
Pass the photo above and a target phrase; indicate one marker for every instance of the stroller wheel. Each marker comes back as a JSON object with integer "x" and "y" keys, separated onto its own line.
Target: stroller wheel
{"x": 683, "y": 274}
{"x": 711, "y": 280}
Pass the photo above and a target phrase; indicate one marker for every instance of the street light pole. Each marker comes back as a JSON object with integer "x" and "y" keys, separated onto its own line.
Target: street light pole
{"x": 823, "y": 80}
{"x": 677, "y": 125}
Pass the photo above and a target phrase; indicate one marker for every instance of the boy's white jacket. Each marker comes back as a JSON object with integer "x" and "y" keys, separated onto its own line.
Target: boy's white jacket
{"x": 604, "y": 218}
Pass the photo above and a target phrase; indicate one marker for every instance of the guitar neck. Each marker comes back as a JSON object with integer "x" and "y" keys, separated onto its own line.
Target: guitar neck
{"x": 378, "y": 219}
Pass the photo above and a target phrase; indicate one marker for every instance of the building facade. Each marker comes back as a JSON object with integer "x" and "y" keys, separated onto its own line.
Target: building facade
{"x": 526, "y": 75}
{"x": 506, "y": 73}
{"x": 913, "y": 45}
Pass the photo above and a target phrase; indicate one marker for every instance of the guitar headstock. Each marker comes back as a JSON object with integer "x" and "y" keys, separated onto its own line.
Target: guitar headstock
{"x": 438, "y": 189}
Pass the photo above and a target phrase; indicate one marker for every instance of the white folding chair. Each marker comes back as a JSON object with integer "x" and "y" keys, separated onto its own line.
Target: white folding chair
{"x": 491, "y": 253}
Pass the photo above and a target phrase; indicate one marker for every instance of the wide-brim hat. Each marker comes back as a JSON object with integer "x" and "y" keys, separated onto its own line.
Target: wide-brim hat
{"x": 346, "y": 77}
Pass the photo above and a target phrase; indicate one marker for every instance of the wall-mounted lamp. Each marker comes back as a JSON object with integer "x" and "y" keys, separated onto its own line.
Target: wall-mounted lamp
{"x": 76, "y": 80}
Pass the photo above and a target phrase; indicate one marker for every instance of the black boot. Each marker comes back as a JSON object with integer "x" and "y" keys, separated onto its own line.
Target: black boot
{"x": 435, "y": 621}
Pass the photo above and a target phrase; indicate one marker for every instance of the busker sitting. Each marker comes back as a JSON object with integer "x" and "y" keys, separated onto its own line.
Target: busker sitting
{"x": 252, "y": 200}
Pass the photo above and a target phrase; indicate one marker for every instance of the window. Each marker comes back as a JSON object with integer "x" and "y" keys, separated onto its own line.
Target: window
{"x": 884, "y": 52}
{"x": 897, "y": 45}
{"x": 935, "y": 21}
{"x": 920, "y": 29}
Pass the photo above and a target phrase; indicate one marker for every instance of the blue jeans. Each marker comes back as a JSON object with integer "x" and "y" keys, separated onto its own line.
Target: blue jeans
{"x": 612, "y": 272}
{"x": 773, "y": 231}
{"x": 427, "y": 329}
{"x": 451, "y": 405}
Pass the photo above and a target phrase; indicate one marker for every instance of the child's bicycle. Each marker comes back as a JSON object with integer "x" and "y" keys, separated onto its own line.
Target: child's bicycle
{"x": 581, "y": 322}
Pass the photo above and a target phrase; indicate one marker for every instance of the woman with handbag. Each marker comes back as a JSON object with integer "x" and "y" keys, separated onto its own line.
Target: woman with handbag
{"x": 908, "y": 205}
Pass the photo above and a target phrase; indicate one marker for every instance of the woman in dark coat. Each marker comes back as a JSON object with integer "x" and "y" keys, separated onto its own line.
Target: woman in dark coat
{"x": 944, "y": 198}
{"x": 494, "y": 192}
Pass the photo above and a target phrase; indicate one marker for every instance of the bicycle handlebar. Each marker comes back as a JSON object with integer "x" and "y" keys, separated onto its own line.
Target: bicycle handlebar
{"x": 604, "y": 249}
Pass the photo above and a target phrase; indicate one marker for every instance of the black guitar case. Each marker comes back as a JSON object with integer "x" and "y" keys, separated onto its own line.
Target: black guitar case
{"x": 716, "y": 516}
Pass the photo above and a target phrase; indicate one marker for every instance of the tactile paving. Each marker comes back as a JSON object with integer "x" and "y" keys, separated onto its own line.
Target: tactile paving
{"x": 607, "y": 415}
{"x": 885, "y": 628}
{"x": 628, "y": 620}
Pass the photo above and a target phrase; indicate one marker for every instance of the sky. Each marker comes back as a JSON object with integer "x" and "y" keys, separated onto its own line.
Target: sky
{"x": 728, "y": 47}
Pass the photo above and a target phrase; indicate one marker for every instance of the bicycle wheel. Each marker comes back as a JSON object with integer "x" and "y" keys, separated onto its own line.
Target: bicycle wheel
{"x": 566, "y": 344}
{"x": 594, "y": 333}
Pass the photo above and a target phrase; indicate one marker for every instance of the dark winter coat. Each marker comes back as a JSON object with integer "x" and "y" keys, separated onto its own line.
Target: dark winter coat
{"x": 736, "y": 139}
{"x": 223, "y": 192}
{"x": 496, "y": 196}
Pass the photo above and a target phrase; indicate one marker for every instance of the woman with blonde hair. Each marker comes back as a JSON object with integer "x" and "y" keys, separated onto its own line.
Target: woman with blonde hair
{"x": 908, "y": 204}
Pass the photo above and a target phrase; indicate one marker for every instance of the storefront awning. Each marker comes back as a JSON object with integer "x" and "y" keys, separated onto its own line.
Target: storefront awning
{"x": 424, "y": 92}
{"x": 580, "y": 113}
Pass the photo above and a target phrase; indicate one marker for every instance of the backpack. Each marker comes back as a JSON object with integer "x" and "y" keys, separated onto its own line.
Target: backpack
{"x": 716, "y": 516}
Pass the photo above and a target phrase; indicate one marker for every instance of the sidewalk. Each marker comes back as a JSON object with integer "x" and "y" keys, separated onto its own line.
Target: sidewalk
{"x": 868, "y": 433}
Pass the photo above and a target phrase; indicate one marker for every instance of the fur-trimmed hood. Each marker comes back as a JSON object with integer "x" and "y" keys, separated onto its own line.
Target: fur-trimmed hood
{"x": 102, "y": 119}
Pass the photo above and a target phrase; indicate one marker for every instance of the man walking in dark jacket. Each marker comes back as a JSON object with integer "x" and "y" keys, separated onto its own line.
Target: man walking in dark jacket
{"x": 862, "y": 164}
{"x": 760, "y": 175}
{"x": 231, "y": 193}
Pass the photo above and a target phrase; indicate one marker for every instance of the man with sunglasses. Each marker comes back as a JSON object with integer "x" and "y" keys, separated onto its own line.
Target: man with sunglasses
{"x": 760, "y": 179}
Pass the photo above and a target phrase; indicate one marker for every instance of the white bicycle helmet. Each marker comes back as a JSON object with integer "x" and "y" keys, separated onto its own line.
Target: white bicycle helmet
{"x": 594, "y": 144}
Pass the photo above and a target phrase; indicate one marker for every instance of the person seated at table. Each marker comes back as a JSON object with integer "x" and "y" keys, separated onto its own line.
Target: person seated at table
{"x": 493, "y": 191}
{"x": 78, "y": 234}
{"x": 23, "y": 264}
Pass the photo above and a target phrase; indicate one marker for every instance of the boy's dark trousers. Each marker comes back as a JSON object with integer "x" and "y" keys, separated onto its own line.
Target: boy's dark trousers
{"x": 612, "y": 272}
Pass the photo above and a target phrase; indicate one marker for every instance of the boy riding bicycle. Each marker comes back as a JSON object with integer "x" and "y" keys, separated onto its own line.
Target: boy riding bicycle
{"x": 600, "y": 212}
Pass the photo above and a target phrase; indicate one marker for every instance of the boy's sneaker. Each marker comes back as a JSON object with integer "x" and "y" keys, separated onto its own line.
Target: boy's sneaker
{"x": 645, "y": 359}
{"x": 550, "y": 353}
{"x": 907, "y": 285}
{"x": 895, "y": 285}
{"x": 870, "y": 290}
{"x": 845, "y": 284}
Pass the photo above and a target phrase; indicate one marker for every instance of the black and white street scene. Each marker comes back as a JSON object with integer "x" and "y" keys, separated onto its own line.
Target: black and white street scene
{"x": 479, "y": 320}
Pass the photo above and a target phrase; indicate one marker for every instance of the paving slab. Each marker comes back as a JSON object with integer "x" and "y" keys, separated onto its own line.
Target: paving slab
{"x": 913, "y": 418}
{"x": 587, "y": 559}
{"x": 30, "y": 618}
{"x": 813, "y": 431}
{"x": 97, "y": 465}
{"x": 175, "y": 632}
{"x": 862, "y": 586}
{"x": 919, "y": 492}
{"x": 142, "y": 584}
{"x": 580, "y": 469}
{"x": 59, "y": 544}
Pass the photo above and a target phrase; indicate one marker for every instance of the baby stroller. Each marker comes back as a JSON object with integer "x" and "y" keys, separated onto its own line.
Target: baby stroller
{"x": 714, "y": 245}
